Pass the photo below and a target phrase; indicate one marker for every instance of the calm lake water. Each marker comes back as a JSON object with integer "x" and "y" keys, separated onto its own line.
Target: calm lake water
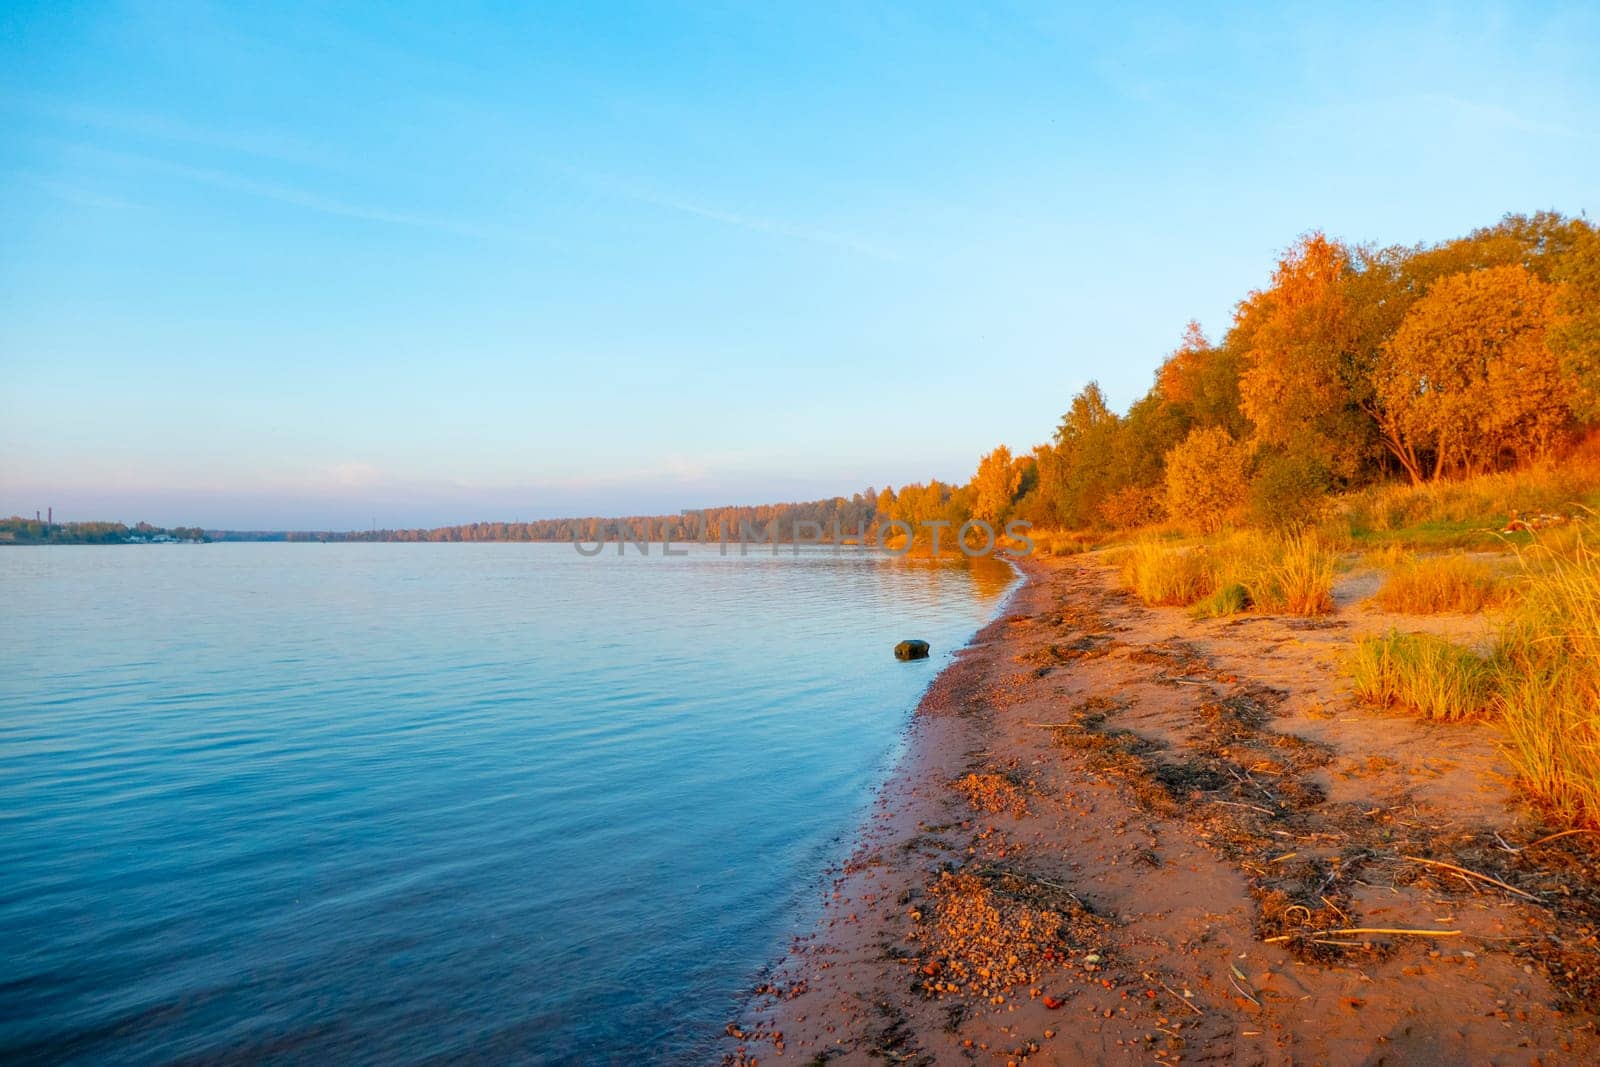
{"x": 392, "y": 803}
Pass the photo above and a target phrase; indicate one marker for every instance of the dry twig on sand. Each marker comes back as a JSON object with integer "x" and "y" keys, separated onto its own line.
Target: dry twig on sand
{"x": 1181, "y": 998}
{"x": 1472, "y": 874}
{"x": 1364, "y": 931}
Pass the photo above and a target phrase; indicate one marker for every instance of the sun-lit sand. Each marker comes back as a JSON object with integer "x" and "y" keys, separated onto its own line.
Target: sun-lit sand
{"x": 1121, "y": 835}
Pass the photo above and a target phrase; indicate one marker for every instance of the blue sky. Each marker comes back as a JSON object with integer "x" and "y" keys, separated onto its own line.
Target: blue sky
{"x": 278, "y": 265}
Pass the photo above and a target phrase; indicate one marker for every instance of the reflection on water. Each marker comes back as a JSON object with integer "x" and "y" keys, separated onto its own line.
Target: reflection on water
{"x": 368, "y": 803}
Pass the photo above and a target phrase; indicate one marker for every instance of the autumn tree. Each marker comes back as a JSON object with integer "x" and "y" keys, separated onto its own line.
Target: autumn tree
{"x": 1086, "y": 442}
{"x": 1301, "y": 381}
{"x": 1468, "y": 379}
{"x": 1027, "y": 468}
{"x": 1575, "y": 331}
{"x": 883, "y": 506}
{"x": 1199, "y": 382}
{"x": 995, "y": 486}
{"x": 1040, "y": 501}
{"x": 1207, "y": 476}
{"x": 1288, "y": 489}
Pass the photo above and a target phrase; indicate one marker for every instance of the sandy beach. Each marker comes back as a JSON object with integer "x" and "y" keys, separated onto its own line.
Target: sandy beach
{"x": 1121, "y": 835}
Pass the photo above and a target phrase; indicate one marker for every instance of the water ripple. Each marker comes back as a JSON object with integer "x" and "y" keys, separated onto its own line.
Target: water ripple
{"x": 399, "y": 803}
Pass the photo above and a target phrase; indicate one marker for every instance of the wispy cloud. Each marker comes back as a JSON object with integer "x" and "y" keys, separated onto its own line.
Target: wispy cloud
{"x": 80, "y": 195}
{"x": 1481, "y": 114}
{"x": 351, "y": 474}
{"x": 147, "y": 126}
{"x": 274, "y": 146}
{"x": 286, "y": 194}
{"x": 646, "y": 194}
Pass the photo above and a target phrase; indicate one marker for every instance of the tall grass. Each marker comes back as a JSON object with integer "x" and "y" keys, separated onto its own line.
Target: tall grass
{"x": 1435, "y": 584}
{"x": 1297, "y": 577}
{"x": 1163, "y": 576}
{"x": 1552, "y": 744}
{"x": 1063, "y": 542}
{"x": 1292, "y": 574}
{"x": 1542, "y": 680}
{"x": 1549, "y": 665}
{"x": 1422, "y": 673}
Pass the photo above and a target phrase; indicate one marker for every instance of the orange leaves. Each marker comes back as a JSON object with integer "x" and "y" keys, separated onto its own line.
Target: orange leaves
{"x": 992, "y": 793}
{"x": 1468, "y": 375}
{"x": 1302, "y": 348}
{"x": 995, "y": 485}
{"x": 1179, "y": 377}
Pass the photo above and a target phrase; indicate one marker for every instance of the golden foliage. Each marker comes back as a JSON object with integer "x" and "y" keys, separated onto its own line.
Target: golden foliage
{"x": 995, "y": 485}
{"x": 1468, "y": 376}
{"x": 1299, "y": 340}
{"x": 1207, "y": 478}
{"x": 1131, "y": 507}
{"x": 1179, "y": 379}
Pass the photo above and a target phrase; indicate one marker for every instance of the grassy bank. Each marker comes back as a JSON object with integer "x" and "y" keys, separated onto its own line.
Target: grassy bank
{"x": 1534, "y": 569}
{"x": 1540, "y": 681}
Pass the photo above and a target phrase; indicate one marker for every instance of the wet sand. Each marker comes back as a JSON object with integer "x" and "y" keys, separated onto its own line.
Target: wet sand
{"x": 1120, "y": 835}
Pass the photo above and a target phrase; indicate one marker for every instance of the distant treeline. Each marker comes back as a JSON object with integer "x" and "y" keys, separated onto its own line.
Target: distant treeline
{"x": 849, "y": 516}
{"x": 19, "y": 531}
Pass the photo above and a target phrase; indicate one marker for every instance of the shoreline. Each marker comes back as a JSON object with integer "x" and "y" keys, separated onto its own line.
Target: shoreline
{"x": 1184, "y": 815}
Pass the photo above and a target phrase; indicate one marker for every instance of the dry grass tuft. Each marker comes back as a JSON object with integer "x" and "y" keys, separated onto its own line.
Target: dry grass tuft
{"x": 1422, "y": 673}
{"x": 1297, "y": 577}
{"x": 1292, "y": 575}
{"x": 1435, "y": 584}
{"x": 1163, "y": 576}
{"x": 1549, "y": 667}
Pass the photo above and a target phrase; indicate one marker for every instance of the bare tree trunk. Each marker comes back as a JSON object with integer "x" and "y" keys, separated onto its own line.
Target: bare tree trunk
{"x": 1402, "y": 452}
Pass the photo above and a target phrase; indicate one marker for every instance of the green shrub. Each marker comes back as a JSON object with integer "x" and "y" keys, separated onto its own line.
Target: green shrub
{"x": 1224, "y": 600}
{"x": 1289, "y": 491}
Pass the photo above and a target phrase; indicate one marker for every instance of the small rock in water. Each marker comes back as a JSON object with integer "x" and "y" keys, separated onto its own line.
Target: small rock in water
{"x": 911, "y": 650}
